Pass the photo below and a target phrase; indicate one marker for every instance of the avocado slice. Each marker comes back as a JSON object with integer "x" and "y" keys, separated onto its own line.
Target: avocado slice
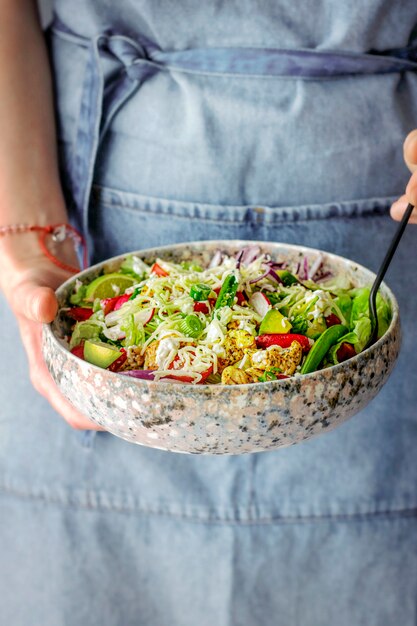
{"x": 273, "y": 323}
{"x": 100, "y": 353}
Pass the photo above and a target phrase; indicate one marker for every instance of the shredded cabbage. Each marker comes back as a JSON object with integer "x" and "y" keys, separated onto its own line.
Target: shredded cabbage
{"x": 159, "y": 303}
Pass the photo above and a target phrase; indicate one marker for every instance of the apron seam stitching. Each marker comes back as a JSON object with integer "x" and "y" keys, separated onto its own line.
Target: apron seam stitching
{"x": 242, "y": 222}
{"x": 101, "y": 190}
{"x": 250, "y": 521}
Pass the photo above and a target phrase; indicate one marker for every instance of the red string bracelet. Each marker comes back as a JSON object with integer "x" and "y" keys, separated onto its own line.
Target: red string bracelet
{"x": 58, "y": 232}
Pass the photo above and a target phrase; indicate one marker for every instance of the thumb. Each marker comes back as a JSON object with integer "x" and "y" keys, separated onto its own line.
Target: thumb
{"x": 34, "y": 301}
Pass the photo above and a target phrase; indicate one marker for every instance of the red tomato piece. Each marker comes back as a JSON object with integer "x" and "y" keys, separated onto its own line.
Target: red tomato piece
{"x": 345, "y": 352}
{"x": 240, "y": 297}
{"x": 108, "y": 304}
{"x": 113, "y": 304}
{"x": 188, "y": 379}
{"x": 201, "y": 307}
{"x": 80, "y": 313}
{"x": 206, "y": 374}
{"x": 121, "y": 300}
{"x": 78, "y": 351}
{"x": 158, "y": 270}
{"x": 183, "y": 379}
{"x": 284, "y": 340}
{"x": 117, "y": 364}
{"x": 332, "y": 320}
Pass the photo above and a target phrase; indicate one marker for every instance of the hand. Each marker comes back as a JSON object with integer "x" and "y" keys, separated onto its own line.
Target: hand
{"x": 28, "y": 280}
{"x": 410, "y": 196}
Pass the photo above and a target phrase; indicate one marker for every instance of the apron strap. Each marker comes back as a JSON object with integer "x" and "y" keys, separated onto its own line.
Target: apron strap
{"x": 298, "y": 63}
{"x": 100, "y": 102}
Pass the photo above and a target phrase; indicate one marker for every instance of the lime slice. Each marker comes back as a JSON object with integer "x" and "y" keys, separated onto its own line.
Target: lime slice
{"x": 108, "y": 286}
{"x": 273, "y": 323}
{"x": 100, "y": 353}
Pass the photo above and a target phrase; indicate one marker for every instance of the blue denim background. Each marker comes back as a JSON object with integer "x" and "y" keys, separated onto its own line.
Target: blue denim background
{"x": 99, "y": 531}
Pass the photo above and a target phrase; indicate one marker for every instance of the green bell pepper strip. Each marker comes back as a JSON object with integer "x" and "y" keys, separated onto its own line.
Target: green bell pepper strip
{"x": 135, "y": 293}
{"x": 266, "y": 376}
{"x": 322, "y": 346}
{"x": 227, "y": 292}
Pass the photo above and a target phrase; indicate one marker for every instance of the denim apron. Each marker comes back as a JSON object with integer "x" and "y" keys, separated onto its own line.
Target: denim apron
{"x": 223, "y": 120}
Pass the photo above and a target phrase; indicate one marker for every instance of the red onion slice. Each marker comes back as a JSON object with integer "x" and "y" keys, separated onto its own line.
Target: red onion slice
{"x": 275, "y": 276}
{"x": 239, "y": 257}
{"x": 250, "y": 253}
{"x": 323, "y": 276}
{"x": 270, "y": 272}
{"x": 305, "y": 267}
{"x": 256, "y": 280}
{"x": 142, "y": 374}
{"x": 315, "y": 267}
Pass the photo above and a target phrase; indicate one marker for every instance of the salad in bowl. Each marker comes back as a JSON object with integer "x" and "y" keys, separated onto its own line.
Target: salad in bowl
{"x": 241, "y": 319}
{"x": 221, "y": 347}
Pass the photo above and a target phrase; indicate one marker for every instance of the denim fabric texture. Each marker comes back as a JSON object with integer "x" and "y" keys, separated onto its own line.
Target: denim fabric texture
{"x": 98, "y": 531}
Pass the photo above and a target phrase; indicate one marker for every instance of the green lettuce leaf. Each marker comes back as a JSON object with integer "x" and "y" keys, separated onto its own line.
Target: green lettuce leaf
{"x": 360, "y": 322}
{"x": 84, "y": 330}
{"x": 79, "y": 297}
{"x": 383, "y": 312}
{"x": 135, "y": 334}
{"x": 134, "y": 266}
{"x": 362, "y": 330}
{"x": 344, "y": 303}
{"x": 359, "y": 303}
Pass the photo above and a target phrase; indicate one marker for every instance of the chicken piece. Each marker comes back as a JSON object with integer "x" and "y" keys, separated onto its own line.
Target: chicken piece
{"x": 241, "y": 338}
{"x": 236, "y": 344}
{"x": 134, "y": 358}
{"x": 150, "y": 356}
{"x": 234, "y": 376}
{"x": 285, "y": 359}
{"x": 254, "y": 373}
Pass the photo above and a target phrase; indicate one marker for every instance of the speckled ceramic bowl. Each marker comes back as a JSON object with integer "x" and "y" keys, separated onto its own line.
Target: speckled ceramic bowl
{"x": 221, "y": 419}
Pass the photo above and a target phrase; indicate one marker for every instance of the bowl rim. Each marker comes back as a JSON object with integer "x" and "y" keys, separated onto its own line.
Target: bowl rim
{"x": 219, "y": 243}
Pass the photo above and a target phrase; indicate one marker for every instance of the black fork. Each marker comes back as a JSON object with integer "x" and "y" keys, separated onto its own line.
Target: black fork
{"x": 382, "y": 270}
